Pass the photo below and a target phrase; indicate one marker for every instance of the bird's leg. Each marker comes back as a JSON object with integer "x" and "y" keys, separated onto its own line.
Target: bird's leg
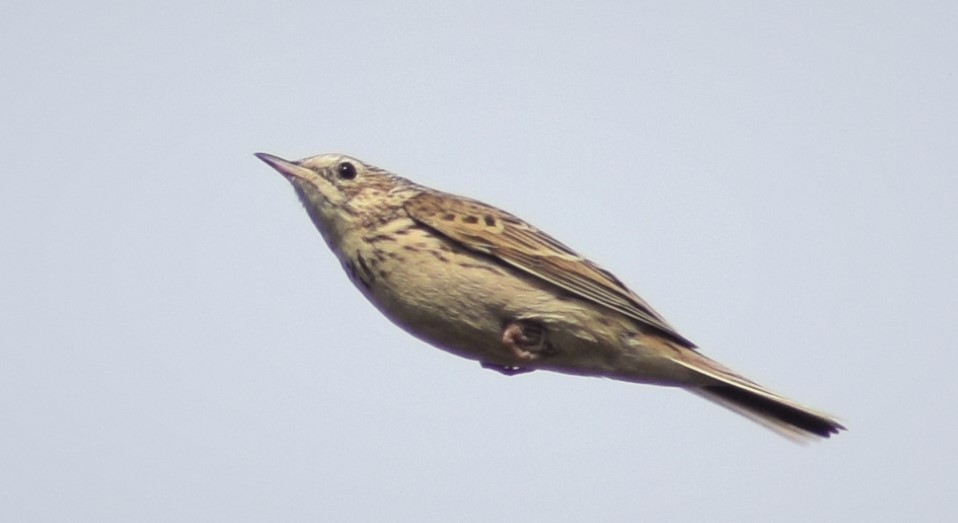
{"x": 526, "y": 340}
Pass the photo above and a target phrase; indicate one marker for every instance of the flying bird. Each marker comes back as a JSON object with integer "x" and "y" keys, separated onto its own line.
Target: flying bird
{"x": 483, "y": 284}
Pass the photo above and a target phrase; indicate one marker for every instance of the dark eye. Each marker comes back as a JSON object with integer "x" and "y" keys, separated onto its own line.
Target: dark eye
{"x": 346, "y": 170}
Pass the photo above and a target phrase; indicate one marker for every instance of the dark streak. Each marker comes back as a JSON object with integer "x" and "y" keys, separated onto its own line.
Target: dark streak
{"x": 395, "y": 256}
{"x": 350, "y": 269}
{"x": 378, "y": 238}
{"x": 363, "y": 277}
{"x": 362, "y": 263}
{"x": 477, "y": 266}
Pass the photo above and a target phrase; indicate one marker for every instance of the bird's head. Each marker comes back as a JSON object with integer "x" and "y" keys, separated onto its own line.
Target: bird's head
{"x": 338, "y": 191}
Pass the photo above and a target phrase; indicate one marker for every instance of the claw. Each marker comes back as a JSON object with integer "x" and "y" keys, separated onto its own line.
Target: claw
{"x": 526, "y": 339}
{"x": 508, "y": 371}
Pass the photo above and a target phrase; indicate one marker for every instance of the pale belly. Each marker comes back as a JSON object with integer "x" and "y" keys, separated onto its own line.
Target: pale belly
{"x": 460, "y": 302}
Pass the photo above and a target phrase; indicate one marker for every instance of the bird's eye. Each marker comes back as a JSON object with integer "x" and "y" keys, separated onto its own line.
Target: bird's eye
{"x": 346, "y": 170}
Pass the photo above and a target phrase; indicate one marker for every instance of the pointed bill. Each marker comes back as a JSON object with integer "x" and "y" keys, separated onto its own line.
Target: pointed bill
{"x": 285, "y": 167}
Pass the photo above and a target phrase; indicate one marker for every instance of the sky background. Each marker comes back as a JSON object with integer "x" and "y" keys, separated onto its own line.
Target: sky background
{"x": 178, "y": 344}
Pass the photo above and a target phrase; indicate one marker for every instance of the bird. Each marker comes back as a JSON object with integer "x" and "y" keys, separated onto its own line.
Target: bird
{"x": 481, "y": 283}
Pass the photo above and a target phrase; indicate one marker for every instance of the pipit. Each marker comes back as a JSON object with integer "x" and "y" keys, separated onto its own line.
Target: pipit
{"x": 481, "y": 283}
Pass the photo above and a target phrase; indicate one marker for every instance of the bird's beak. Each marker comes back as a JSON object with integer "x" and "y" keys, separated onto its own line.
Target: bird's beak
{"x": 285, "y": 167}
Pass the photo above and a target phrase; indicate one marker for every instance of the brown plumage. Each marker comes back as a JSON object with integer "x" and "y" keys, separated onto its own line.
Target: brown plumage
{"x": 479, "y": 282}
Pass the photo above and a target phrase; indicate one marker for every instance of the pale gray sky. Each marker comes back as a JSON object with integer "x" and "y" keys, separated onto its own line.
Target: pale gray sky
{"x": 177, "y": 343}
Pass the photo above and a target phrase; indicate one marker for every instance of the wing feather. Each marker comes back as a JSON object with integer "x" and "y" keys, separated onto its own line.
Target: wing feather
{"x": 488, "y": 230}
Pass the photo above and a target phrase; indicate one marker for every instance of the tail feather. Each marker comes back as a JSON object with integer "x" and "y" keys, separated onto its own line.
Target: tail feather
{"x": 742, "y": 396}
{"x": 793, "y": 422}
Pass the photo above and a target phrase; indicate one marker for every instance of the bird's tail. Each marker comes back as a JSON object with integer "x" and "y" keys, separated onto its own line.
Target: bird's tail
{"x": 740, "y": 395}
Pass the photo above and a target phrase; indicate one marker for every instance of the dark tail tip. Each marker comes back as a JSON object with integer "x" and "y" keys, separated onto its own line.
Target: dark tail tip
{"x": 762, "y": 406}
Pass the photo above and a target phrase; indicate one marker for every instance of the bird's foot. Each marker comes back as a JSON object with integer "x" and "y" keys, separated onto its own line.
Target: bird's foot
{"x": 526, "y": 340}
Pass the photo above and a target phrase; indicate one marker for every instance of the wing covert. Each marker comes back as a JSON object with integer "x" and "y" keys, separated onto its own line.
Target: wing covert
{"x": 486, "y": 229}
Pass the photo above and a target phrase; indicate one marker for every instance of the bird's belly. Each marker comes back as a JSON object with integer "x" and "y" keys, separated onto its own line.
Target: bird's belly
{"x": 460, "y": 302}
{"x": 454, "y": 307}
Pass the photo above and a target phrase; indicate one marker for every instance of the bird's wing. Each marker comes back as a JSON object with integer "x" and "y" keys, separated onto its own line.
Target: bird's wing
{"x": 488, "y": 230}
